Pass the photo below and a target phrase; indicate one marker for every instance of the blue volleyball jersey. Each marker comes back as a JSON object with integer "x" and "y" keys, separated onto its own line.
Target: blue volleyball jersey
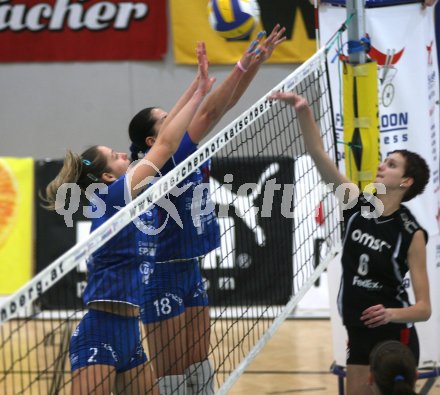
{"x": 113, "y": 270}
{"x": 200, "y": 233}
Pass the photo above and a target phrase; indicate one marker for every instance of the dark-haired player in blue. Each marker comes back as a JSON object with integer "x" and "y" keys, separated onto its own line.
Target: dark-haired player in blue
{"x": 106, "y": 352}
{"x": 382, "y": 242}
{"x": 176, "y": 305}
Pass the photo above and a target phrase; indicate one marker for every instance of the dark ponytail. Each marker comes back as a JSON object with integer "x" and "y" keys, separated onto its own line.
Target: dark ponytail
{"x": 136, "y": 152}
{"x": 141, "y": 127}
{"x": 394, "y": 368}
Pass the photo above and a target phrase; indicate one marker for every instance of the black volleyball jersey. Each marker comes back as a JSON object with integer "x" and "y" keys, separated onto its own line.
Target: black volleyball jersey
{"x": 374, "y": 260}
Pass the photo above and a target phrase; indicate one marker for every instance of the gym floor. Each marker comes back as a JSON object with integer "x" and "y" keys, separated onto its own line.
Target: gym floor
{"x": 297, "y": 360}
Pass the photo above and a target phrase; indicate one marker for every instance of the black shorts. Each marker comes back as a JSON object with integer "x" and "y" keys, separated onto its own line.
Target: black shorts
{"x": 361, "y": 340}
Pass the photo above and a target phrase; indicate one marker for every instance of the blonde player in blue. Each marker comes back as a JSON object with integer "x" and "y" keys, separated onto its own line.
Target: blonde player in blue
{"x": 175, "y": 308}
{"x": 106, "y": 352}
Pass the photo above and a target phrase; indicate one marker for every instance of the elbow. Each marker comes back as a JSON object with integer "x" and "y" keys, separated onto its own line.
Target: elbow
{"x": 428, "y": 312}
{"x": 425, "y": 312}
{"x": 167, "y": 147}
{"x": 211, "y": 115}
{"x": 317, "y": 153}
{"x": 231, "y": 103}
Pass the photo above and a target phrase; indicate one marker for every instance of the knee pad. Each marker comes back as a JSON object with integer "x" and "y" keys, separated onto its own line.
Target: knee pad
{"x": 175, "y": 384}
{"x": 200, "y": 378}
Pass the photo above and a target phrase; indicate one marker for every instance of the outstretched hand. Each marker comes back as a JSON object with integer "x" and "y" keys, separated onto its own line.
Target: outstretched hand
{"x": 205, "y": 82}
{"x": 259, "y": 51}
{"x": 297, "y": 101}
{"x": 275, "y": 38}
{"x": 252, "y": 51}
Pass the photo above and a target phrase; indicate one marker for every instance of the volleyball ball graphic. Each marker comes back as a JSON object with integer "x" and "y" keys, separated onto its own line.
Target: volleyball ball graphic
{"x": 233, "y": 19}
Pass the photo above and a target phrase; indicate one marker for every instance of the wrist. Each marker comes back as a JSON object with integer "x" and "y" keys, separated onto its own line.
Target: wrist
{"x": 199, "y": 94}
{"x": 302, "y": 109}
{"x": 241, "y": 67}
{"x": 390, "y": 315}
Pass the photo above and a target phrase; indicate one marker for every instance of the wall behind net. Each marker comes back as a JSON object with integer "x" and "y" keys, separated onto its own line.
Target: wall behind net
{"x": 267, "y": 195}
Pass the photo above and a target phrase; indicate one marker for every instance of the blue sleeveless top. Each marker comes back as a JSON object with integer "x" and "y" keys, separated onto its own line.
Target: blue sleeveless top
{"x": 113, "y": 270}
{"x": 200, "y": 233}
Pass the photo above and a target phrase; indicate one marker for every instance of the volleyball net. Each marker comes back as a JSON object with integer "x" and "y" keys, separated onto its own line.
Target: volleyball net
{"x": 279, "y": 228}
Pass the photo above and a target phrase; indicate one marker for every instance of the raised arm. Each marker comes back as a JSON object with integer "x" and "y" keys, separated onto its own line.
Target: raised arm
{"x": 314, "y": 145}
{"x": 188, "y": 92}
{"x": 173, "y": 129}
{"x": 263, "y": 53}
{"x": 232, "y": 88}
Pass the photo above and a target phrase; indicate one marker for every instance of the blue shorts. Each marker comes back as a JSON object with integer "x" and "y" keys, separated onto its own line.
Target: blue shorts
{"x": 107, "y": 339}
{"x": 171, "y": 288}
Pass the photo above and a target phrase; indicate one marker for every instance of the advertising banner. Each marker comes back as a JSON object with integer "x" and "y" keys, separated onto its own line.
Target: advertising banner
{"x": 16, "y": 227}
{"x": 254, "y": 262}
{"x": 190, "y": 23}
{"x": 72, "y": 30}
{"x": 408, "y": 89}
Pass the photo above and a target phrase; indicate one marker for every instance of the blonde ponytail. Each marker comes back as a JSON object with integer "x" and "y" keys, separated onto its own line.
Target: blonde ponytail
{"x": 69, "y": 173}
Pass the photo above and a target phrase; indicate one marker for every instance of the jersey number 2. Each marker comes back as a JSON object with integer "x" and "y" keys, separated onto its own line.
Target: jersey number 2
{"x": 92, "y": 357}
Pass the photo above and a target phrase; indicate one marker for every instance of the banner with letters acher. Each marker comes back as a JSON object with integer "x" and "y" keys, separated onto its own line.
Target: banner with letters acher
{"x": 403, "y": 45}
{"x": 72, "y": 30}
{"x": 190, "y": 23}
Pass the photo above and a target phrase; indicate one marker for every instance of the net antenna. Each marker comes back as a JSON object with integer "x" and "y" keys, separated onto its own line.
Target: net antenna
{"x": 264, "y": 266}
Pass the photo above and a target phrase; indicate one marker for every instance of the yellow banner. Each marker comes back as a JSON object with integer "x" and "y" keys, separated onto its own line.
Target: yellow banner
{"x": 16, "y": 219}
{"x": 361, "y": 122}
{"x": 190, "y": 24}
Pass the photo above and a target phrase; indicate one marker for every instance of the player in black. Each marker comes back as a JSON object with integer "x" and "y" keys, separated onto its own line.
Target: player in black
{"x": 382, "y": 242}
